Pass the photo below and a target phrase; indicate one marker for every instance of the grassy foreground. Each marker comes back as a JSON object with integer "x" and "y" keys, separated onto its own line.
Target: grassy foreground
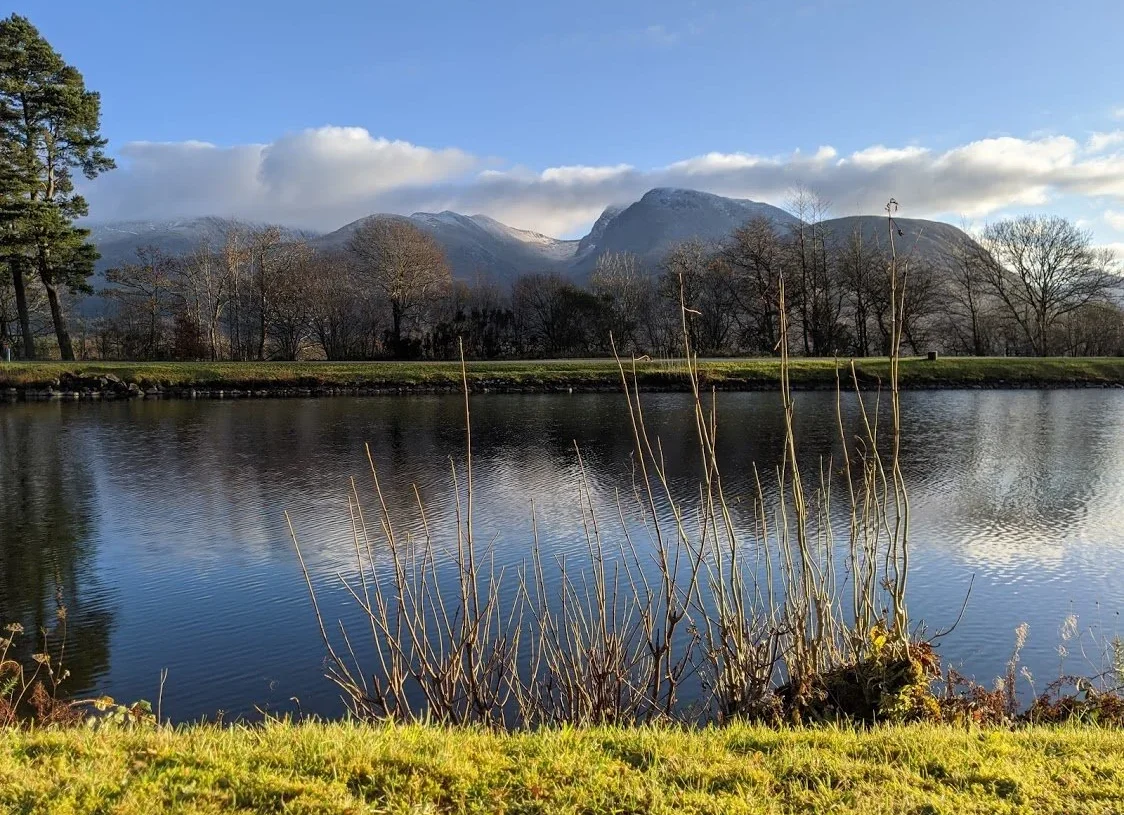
{"x": 577, "y": 374}
{"x": 344, "y": 768}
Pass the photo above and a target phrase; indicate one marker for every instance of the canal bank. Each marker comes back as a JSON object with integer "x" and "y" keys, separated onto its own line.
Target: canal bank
{"x": 125, "y": 380}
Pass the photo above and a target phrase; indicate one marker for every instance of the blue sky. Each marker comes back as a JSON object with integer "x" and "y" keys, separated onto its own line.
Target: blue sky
{"x": 543, "y": 113}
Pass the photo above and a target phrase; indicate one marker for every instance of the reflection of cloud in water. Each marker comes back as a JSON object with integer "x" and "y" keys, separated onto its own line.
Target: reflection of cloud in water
{"x": 1028, "y": 479}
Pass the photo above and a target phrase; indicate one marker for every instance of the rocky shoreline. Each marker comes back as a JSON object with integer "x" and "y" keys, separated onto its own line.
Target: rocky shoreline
{"x": 110, "y": 387}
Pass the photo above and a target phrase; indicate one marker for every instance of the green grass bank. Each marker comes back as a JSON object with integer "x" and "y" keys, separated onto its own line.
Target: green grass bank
{"x": 300, "y": 378}
{"x": 345, "y": 768}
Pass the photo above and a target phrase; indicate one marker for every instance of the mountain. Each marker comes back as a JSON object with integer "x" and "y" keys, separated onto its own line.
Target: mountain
{"x": 665, "y": 217}
{"x": 477, "y": 245}
{"x": 916, "y": 238}
{"x": 118, "y": 241}
{"x": 590, "y": 242}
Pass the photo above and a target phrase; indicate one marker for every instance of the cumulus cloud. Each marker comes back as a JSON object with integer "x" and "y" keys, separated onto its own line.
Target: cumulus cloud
{"x": 1103, "y": 141}
{"x": 317, "y": 178}
{"x": 325, "y": 177}
{"x": 1114, "y": 219}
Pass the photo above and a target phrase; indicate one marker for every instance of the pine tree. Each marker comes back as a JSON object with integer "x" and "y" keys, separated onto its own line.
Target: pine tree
{"x": 49, "y": 128}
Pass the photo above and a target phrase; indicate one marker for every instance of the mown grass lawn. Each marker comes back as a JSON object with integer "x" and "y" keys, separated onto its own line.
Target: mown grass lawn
{"x": 346, "y": 768}
{"x": 748, "y": 373}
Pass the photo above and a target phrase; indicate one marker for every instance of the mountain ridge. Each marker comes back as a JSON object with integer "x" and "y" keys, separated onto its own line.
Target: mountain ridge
{"x": 481, "y": 246}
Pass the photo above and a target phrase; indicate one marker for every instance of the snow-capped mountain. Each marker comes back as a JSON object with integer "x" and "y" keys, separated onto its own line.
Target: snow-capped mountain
{"x": 590, "y": 243}
{"x": 665, "y": 217}
{"x": 479, "y": 246}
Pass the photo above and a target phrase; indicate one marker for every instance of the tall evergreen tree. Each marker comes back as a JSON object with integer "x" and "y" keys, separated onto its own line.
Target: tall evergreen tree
{"x": 49, "y": 128}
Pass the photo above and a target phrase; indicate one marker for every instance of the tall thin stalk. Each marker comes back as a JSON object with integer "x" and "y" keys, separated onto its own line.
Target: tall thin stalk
{"x": 753, "y": 620}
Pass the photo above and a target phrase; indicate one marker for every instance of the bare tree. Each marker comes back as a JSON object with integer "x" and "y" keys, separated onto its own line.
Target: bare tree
{"x": 620, "y": 280}
{"x": 970, "y": 302}
{"x": 809, "y": 261}
{"x": 861, "y": 268}
{"x": 404, "y": 265}
{"x": 338, "y": 319}
{"x": 288, "y": 314}
{"x": 756, "y": 254}
{"x": 203, "y": 288}
{"x": 268, "y": 256}
{"x": 235, "y": 260}
{"x": 144, "y": 293}
{"x": 480, "y": 316}
{"x": 704, "y": 282}
{"x": 1043, "y": 268}
{"x": 1094, "y": 330}
{"x": 555, "y": 318}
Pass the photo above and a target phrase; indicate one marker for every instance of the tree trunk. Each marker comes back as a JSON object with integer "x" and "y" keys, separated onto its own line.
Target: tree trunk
{"x": 396, "y": 329}
{"x": 66, "y": 350}
{"x": 213, "y": 334}
{"x": 262, "y": 303}
{"x": 261, "y": 326}
{"x": 21, "y": 307}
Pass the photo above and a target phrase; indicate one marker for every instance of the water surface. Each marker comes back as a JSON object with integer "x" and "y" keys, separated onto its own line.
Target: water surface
{"x": 161, "y": 521}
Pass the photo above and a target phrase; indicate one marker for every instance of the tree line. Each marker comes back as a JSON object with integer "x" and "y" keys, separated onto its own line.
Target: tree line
{"x": 1026, "y": 286}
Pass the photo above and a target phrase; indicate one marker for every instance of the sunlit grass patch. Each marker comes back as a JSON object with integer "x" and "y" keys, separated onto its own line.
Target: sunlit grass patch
{"x": 344, "y": 767}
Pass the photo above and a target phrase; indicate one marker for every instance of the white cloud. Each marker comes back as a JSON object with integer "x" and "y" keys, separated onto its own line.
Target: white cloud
{"x": 1114, "y": 219}
{"x": 319, "y": 167}
{"x": 317, "y": 177}
{"x": 325, "y": 177}
{"x": 874, "y": 157}
{"x": 1102, "y": 141}
{"x": 584, "y": 175}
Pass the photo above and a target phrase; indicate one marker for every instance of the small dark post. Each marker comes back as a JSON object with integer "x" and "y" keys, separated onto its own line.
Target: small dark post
{"x": 932, "y": 356}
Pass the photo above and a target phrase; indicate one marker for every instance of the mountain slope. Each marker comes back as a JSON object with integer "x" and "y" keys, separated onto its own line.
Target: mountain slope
{"x": 477, "y": 245}
{"x": 664, "y": 217}
{"x": 918, "y": 238}
{"x": 118, "y": 241}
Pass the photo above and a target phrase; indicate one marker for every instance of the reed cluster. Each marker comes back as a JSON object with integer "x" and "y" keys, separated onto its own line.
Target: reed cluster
{"x": 696, "y": 619}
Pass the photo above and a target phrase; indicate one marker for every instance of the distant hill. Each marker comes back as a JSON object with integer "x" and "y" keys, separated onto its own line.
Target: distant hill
{"x": 118, "y": 241}
{"x": 477, "y": 245}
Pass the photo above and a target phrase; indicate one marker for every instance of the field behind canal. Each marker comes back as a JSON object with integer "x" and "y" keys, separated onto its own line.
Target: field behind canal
{"x": 731, "y": 374}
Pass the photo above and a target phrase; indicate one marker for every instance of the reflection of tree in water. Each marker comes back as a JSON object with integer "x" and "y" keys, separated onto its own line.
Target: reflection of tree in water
{"x": 46, "y": 549}
{"x": 224, "y": 471}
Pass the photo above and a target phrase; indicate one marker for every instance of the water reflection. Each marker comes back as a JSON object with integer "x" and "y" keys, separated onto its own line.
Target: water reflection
{"x": 47, "y": 549}
{"x": 162, "y": 520}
